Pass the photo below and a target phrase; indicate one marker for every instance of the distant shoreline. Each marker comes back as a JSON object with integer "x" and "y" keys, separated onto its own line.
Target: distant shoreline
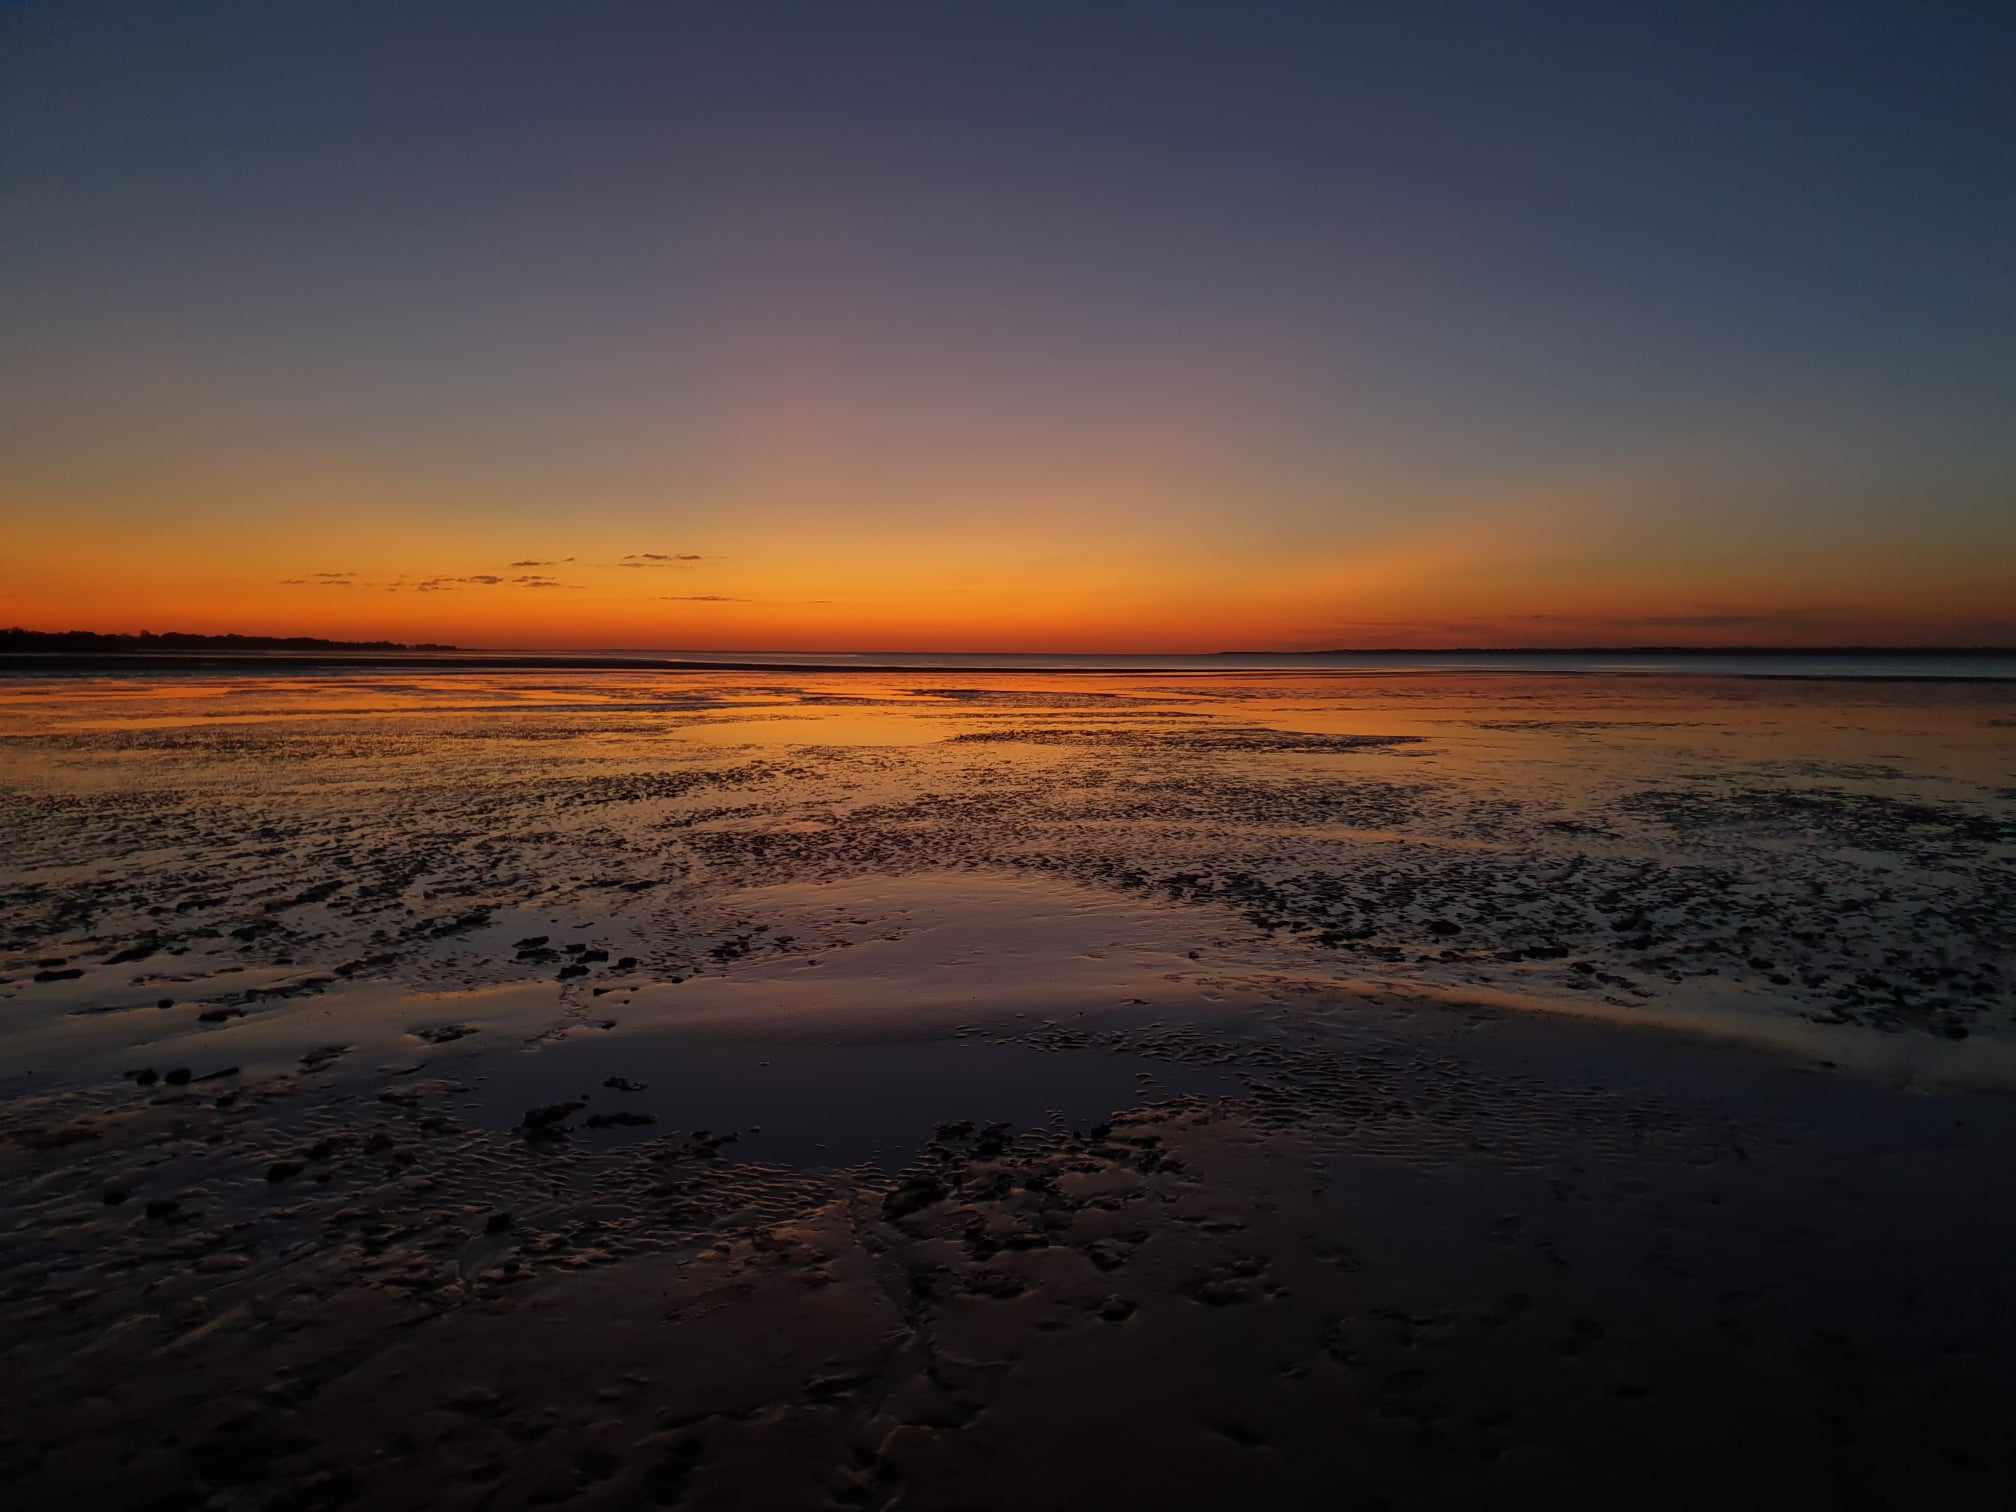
{"x": 1912, "y": 664}
{"x": 15, "y": 638}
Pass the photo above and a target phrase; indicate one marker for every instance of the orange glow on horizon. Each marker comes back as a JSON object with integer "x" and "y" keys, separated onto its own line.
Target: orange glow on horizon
{"x": 1444, "y": 589}
{"x": 1123, "y": 556}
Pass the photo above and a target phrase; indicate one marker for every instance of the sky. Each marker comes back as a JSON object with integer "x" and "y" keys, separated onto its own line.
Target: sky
{"x": 1120, "y": 327}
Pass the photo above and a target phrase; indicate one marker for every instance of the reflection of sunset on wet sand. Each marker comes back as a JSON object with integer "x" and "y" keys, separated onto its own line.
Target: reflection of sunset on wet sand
{"x": 981, "y": 1040}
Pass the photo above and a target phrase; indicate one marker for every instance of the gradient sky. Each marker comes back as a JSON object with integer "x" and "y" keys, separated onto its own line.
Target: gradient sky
{"x": 1015, "y": 327}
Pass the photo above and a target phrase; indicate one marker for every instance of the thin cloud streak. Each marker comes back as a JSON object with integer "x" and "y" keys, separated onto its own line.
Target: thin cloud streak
{"x": 725, "y": 598}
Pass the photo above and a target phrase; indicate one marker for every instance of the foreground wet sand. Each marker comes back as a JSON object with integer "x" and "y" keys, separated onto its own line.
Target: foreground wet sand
{"x": 539, "y": 1091}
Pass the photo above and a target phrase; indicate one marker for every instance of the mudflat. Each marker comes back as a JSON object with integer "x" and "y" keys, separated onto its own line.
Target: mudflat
{"x": 612, "y": 1088}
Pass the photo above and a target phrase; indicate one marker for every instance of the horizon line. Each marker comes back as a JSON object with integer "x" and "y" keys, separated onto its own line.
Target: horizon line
{"x": 312, "y": 643}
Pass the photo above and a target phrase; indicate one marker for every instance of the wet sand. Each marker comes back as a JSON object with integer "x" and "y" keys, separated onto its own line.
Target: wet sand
{"x": 731, "y": 1089}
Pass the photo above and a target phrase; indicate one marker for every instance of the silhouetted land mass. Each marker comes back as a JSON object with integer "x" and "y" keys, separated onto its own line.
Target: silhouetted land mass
{"x": 44, "y": 653}
{"x": 17, "y": 639}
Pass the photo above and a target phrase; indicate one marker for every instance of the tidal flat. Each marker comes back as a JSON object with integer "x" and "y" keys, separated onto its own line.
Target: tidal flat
{"x": 447, "y": 1088}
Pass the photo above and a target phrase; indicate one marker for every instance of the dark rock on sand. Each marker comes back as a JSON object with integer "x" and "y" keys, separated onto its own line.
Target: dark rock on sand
{"x": 442, "y": 1034}
{"x": 546, "y": 1122}
{"x": 572, "y": 971}
{"x": 69, "y": 974}
{"x": 623, "y": 1084}
{"x": 281, "y": 1170}
{"x": 620, "y": 1120}
{"x": 179, "y": 1077}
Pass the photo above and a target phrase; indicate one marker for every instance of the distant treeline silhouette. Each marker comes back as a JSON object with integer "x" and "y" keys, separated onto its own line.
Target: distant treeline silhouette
{"x": 17, "y": 639}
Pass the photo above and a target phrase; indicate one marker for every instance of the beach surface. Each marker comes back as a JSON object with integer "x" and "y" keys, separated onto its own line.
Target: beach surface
{"x": 434, "y": 1087}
